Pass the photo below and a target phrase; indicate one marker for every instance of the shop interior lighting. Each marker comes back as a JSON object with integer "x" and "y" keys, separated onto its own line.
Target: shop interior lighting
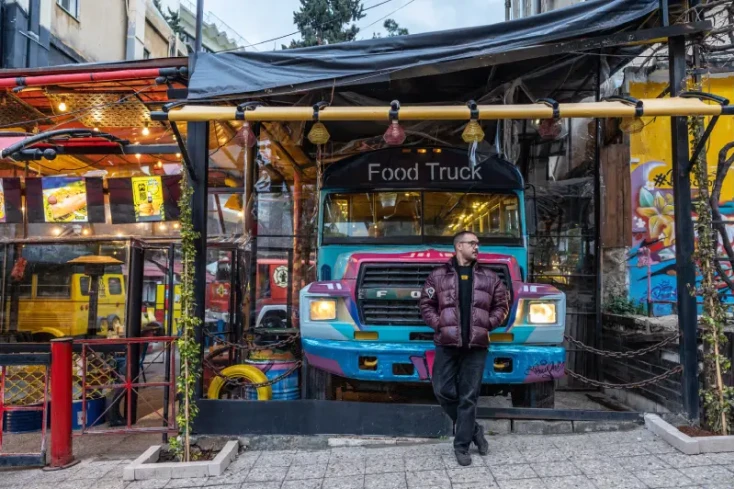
{"x": 146, "y": 130}
{"x": 62, "y": 105}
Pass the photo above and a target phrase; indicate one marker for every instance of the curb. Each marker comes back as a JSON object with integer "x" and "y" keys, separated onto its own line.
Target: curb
{"x": 145, "y": 467}
{"x": 687, "y": 444}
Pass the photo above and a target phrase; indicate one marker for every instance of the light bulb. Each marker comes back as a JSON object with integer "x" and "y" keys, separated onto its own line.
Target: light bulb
{"x": 159, "y": 164}
{"x": 85, "y": 232}
{"x": 62, "y": 106}
{"x": 138, "y": 155}
{"x": 146, "y": 131}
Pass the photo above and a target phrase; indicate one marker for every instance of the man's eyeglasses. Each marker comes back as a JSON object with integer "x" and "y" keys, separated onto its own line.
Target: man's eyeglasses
{"x": 473, "y": 244}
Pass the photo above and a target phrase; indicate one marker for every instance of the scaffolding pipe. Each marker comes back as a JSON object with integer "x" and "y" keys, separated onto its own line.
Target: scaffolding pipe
{"x": 676, "y": 106}
{"x": 104, "y": 76}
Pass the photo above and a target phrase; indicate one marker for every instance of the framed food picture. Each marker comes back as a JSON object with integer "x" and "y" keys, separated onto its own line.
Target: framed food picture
{"x": 148, "y": 199}
{"x": 64, "y": 199}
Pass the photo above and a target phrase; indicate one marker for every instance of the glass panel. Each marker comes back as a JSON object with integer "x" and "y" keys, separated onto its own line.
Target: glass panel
{"x": 373, "y": 215}
{"x": 486, "y": 215}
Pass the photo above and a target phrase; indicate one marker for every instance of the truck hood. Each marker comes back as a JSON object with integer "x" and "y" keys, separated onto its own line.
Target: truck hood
{"x": 347, "y": 265}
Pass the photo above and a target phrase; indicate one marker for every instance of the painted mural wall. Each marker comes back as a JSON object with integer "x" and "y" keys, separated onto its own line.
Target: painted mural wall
{"x": 652, "y": 255}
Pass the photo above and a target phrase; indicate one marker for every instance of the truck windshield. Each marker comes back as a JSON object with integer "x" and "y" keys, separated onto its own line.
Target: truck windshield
{"x": 410, "y": 217}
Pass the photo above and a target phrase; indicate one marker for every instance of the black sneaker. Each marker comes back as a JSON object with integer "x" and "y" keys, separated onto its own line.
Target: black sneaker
{"x": 462, "y": 458}
{"x": 481, "y": 442}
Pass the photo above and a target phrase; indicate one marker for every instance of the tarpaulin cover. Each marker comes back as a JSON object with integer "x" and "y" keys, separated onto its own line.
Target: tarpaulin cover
{"x": 377, "y": 61}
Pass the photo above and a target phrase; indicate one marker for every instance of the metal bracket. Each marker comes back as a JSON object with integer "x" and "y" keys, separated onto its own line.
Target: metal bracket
{"x": 241, "y": 108}
{"x": 553, "y": 104}
{"x": 394, "y": 110}
{"x": 626, "y": 99}
{"x": 184, "y": 151}
{"x": 317, "y": 108}
{"x": 473, "y": 110}
{"x": 723, "y": 101}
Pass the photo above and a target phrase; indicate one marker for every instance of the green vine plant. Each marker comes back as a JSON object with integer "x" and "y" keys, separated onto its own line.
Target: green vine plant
{"x": 188, "y": 348}
{"x": 619, "y": 303}
{"x": 717, "y": 398}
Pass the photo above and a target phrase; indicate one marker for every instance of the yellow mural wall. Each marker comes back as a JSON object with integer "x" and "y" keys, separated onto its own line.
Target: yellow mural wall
{"x": 653, "y": 143}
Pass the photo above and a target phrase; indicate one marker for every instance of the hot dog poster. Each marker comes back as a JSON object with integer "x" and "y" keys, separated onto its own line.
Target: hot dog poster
{"x": 148, "y": 199}
{"x": 64, "y": 199}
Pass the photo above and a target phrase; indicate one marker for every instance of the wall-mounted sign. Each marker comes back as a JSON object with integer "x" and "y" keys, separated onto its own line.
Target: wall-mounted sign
{"x": 148, "y": 199}
{"x": 433, "y": 168}
{"x": 144, "y": 199}
{"x": 65, "y": 200}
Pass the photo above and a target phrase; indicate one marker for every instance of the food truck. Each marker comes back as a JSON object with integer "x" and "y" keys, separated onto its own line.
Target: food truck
{"x": 387, "y": 219}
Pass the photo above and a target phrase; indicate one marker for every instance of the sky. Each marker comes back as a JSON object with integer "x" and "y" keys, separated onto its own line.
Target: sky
{"x": 257, "y": 20}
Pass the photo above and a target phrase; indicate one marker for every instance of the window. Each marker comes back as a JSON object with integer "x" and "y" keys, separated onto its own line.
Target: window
{"x": 70, "y": 6}
{"x": 115, "y": 286}
{"x": 54, "y": 282}
{"x": 421, "y": 216}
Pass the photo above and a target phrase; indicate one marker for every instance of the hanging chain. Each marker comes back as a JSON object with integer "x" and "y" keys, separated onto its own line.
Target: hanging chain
{"x": 232, "y": 382}
{"x": 631, "y": 385}
{"x": 249, "y": 345}
{"x": 622, "y": 354}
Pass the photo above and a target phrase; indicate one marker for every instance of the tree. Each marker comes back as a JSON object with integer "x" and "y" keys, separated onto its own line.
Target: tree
{"x": 393, "y": 28}
{"x": 326, "y": 22}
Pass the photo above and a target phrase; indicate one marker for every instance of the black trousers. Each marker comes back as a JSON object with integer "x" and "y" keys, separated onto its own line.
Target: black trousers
{"x": 457, "y": 381}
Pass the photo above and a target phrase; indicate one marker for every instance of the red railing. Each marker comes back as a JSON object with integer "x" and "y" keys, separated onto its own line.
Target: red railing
{"x": 41, "y": 360}
{"x": 127, "y": 385}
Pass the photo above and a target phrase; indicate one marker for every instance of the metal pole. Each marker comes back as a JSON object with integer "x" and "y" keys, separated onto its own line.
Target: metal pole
{"x": 134, "y": 319}
{"x": 198, "y": 145}
{"x": 684, "y": 240}
{"x": 250, "y": 206}
{"x": 199, "y": 25}
{"x": 598, "y": 202}
{"x": 168, "y": 324}
{"x": 61, "y": 385}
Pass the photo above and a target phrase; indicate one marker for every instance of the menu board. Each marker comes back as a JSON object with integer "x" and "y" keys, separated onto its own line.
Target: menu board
{"x": 65, "y": 200}
{"x": 144, "y": 199}
{"x": 148, "y": 199}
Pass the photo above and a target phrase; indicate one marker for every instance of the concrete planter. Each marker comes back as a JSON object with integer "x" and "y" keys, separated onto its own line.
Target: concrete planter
{"x": 689, "y": 445}
{"x": 147, "y": 467}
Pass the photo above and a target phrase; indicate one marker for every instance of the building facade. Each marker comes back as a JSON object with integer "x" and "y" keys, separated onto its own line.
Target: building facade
{"x": 517, "y": 9}
{"x": 37, "y": 33}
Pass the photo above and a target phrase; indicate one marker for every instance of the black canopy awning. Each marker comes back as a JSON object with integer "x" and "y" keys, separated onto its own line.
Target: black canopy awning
{"x": 445, "y": 66}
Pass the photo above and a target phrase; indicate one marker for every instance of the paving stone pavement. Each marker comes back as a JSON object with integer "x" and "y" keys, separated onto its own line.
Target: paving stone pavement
{"x": 617, "y": 460}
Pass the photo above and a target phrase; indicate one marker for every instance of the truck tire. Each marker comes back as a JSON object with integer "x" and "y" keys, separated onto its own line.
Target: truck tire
{"x": 535, "y": 395}
{"x": 317, "y": 384}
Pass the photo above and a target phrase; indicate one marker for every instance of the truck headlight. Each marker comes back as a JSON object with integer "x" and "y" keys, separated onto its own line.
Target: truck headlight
{"x": 322, "y": 310}
{"x": 540, "y": 312}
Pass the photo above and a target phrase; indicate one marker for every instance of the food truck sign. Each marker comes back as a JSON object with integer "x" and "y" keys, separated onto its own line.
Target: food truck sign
{"x": 443, "y": 168}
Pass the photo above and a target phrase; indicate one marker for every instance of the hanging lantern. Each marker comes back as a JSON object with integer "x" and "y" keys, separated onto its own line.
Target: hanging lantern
{"x": 473, "y": 132}
{"x": 631, "y": 125}
{"x": 245, "y": 137}
{"x": 550, "y": 128}
{"x": 318, "y": 134}
{"x": 395, "y": 134}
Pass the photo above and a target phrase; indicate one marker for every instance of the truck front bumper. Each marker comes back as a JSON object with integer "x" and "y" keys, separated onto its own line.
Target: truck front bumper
{"x": 406, "y": 362}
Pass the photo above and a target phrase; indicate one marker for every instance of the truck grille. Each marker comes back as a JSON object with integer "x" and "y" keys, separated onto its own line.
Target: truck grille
{"x": 400, "y": 312}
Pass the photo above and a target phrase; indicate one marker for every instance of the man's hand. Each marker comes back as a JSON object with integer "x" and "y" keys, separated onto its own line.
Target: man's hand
{"x": 429, "y": 303}
{"x": 500, "y": 305}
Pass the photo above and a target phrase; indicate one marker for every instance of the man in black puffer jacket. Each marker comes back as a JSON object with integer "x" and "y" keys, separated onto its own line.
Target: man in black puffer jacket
{"x": 462, "y": 301}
